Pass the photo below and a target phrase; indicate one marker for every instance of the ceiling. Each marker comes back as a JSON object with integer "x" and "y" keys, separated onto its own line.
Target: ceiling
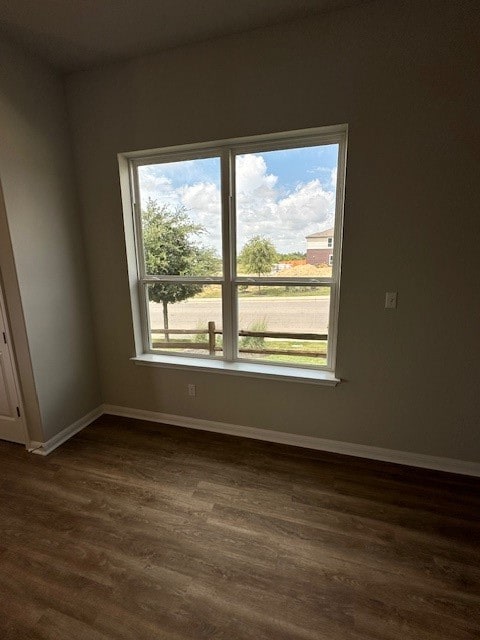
{"x": 74, "y": 34}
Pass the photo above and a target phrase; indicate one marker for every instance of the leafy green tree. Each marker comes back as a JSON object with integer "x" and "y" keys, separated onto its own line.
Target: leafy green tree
{"x": 258, "y": 256}
{"x": 170, "y": 250}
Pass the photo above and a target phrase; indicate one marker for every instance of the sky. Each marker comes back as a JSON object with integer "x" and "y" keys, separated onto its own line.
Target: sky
{"x": 281, "y": 195}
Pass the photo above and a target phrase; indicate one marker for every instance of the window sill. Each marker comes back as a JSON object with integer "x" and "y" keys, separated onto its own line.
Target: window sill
{"x": 251, "y": 370}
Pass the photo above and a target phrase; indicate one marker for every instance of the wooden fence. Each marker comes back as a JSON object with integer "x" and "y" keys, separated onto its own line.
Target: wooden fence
{"x": 210, "y": 344}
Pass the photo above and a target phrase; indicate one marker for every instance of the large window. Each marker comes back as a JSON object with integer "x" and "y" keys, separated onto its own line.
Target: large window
{"x": 229, "y": 249}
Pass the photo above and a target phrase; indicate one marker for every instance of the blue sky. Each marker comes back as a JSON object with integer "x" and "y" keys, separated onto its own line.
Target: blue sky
{"x": 281, "y": 195}
{"x": 298, "y": 165}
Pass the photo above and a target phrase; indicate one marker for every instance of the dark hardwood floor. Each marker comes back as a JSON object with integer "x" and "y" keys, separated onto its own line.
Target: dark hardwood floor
{"x": 134, "y": 531}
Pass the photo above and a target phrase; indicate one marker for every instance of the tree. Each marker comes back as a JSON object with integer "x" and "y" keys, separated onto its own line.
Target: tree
{"x": 293, "y": 255}
{"x": 170, "y": 250}
{"x": 258, "y": 256}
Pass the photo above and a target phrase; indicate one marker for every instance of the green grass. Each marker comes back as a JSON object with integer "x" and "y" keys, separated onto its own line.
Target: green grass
{"x": 317, "y": 362}
{"x": 319, "y": 346}
{"x": 270, "y": 292}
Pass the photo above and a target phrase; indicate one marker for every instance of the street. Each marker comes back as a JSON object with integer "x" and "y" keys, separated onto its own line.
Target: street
{"x": 302, "y": 314}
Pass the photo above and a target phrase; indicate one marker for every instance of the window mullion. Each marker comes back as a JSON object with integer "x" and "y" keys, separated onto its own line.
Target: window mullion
{"x": 228, "y": 258}
{"x": 233, "y": 253}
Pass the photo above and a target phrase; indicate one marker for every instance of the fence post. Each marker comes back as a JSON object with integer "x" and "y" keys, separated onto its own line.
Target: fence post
{"x": 211, "y": 338}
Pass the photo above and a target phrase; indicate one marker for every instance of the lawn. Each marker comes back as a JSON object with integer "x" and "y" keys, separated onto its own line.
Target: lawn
{"x": 315, "y": 346}
{"x": 214, "y": 291}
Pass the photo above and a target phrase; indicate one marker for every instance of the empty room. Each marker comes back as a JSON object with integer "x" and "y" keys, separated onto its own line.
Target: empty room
{"x": 239, "y": 320}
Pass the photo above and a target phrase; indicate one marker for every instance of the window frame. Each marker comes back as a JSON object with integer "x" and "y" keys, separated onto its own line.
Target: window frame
{"x": 226, "y": 151}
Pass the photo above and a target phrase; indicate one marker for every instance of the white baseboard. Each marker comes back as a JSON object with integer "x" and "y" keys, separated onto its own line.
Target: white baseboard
{"x": 450, "y": 465}
{"x": 44, "y": 448}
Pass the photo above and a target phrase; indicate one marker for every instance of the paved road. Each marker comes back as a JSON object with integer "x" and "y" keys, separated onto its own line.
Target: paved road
{"x": 306, "y": 314}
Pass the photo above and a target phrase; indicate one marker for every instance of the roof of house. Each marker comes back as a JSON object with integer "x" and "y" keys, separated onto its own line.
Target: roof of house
{"x": 328, "y": 233}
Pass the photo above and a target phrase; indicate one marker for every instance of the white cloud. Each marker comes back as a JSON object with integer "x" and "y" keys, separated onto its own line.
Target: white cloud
{"x": 307, "y": 210}
{"x": 156, "y": 186}
{"x": 261, "y": 209}
{"x": 263, "y": 206}
{"x": 202, "y": 199}
{"x": 252, "y": 178}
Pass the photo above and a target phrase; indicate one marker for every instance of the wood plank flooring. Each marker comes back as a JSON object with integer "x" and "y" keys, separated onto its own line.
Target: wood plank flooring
{"x": 138, "y": 531}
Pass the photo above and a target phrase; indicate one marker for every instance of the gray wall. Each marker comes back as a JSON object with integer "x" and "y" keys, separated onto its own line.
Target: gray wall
{"x": 49, "y": 304}
{"x": 404, "y": 75}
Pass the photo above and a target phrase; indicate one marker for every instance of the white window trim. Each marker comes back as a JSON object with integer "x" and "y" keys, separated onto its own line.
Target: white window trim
{"x": 227, "y": 149}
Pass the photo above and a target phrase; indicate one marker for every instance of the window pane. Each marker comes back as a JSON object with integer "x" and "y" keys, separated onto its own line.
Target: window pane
{"x": 181, "y": 217}
{"x": 286, "y": 211}
{"x": 186, "y": 318}
{"x": 294, "y": 318}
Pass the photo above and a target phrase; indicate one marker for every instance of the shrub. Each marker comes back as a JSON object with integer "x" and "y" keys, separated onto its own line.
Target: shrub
{"x": 201, "y": 337}
{"x": 254, "y": 342}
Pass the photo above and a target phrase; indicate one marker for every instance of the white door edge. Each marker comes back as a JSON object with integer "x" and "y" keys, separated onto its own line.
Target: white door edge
{"x": 13, "y": 427}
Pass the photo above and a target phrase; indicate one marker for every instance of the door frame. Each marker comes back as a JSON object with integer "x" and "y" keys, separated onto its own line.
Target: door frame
{"x": 16, "y": 379}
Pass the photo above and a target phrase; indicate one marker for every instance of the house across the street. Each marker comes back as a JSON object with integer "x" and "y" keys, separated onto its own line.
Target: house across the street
{"x": 320, "y": 247}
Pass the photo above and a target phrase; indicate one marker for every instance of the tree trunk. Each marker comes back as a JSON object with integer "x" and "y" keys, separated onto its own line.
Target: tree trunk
{"x": 165, "y": 320}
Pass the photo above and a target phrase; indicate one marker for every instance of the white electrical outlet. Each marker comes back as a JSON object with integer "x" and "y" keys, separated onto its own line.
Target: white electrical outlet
{"x": 192, "y": 390}
{"x": 391, "y": 300}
